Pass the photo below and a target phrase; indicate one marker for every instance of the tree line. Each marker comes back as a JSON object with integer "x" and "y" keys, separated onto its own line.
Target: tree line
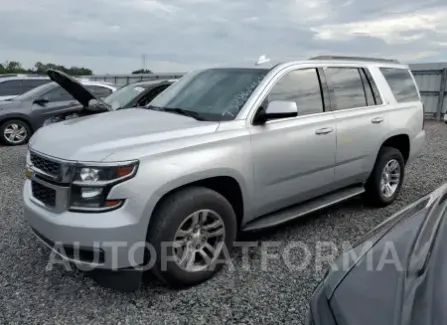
{"x": 41, "y": 68}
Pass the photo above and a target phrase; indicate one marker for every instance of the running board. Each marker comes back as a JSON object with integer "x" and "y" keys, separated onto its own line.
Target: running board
{"x": 299, "y": 210}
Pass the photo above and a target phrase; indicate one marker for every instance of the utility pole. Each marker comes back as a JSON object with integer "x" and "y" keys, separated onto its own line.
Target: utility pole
{"x": 143, "y": 61}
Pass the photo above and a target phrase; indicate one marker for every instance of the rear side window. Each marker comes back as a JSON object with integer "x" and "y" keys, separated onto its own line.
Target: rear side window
{"x": 11, "y": 88}
{"x": 29, "y": 84}
{"x": 346, "y": 87}
{"x": 374, "y": 89}
{"x": 401, "y": 84}
{"x": 352, "y": 88}
{"x": 98, "y": 91}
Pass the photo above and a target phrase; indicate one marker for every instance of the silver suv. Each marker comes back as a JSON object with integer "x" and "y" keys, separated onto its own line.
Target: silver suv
{"x": 222, "y": 150}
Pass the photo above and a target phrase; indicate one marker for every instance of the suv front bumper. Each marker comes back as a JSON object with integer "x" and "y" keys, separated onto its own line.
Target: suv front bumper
{"x": 114, "y": 239}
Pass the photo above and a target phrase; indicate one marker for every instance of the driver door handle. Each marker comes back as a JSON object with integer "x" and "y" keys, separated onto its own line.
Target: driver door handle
{"x": 377, "y": 120}
{"x": 324, "y": 131}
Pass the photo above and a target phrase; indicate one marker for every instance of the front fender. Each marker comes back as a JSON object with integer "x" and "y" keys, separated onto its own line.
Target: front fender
{"x": 202, "y": 175}
{"x": 195, "y": 177}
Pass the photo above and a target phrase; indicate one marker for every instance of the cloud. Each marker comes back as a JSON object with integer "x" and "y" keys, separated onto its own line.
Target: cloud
{"x": 110, "y": 36}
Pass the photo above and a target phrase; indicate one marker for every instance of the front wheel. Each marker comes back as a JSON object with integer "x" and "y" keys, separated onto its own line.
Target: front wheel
{"x": 386, "y": 179}
{"x": 14, "y": 132}
{"x": 190, "y": 232}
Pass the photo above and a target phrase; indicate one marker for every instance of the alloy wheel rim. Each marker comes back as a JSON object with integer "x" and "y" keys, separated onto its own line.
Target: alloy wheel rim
{"x": 199, "y": 241}
{"x": 390, "y": 178}
{"x": 15, "y": 133}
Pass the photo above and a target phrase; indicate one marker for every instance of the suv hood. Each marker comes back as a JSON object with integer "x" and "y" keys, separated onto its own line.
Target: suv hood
{"x": 96, "y": 137}
{"x": 77, "y": 90}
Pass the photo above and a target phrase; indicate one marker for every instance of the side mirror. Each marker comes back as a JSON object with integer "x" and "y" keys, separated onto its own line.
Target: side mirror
{"x": 277, "y": 109}
{"x": 41, "y": 101}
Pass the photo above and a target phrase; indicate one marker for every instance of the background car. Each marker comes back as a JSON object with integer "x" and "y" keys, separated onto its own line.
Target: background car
{"x": 132, "y": 95}
{"x": 14, "y": 85}
{"x": 21, "y": 116}
{"x": 137, "y": 94}
{"x": 397, "y": 274}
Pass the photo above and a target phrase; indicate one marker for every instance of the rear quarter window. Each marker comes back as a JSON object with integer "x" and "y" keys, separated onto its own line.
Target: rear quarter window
{"x": 401, "y": 84}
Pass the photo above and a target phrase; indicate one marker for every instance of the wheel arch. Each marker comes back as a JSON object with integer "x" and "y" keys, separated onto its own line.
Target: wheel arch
{"x": 17, "y": 116}
{"x": 399, "y": 141}
{"x": 228, "y": 183}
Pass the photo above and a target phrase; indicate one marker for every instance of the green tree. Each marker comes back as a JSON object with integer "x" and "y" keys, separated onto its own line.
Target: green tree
{"x": 41, "y": 68}
{"x": 13, "y": 67}
{"x": 142, "y": 71}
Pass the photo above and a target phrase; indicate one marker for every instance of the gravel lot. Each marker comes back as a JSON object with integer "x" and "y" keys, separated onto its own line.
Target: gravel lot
{"x": 276, "y": 295}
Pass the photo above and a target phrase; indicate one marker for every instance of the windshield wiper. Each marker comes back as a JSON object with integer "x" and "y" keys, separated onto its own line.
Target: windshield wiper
{"x": 179, "y": 111}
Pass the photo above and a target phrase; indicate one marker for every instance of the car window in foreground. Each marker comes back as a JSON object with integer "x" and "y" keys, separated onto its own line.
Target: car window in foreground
{"x": 123, "y": 95}
{"x": 213, "y": 94}
{"x": 401, "y": 84}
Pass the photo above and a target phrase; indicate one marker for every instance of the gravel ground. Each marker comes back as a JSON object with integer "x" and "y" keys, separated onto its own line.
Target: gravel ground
{"x": 275, "y": 294}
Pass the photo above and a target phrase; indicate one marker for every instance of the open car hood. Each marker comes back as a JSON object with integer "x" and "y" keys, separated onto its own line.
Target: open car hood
{"x": 77, "y": 90}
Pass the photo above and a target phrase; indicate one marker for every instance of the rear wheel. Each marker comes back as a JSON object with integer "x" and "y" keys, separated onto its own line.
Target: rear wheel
{"x": 195, "y": 225}
{"x": 14, "y": 132}
{"x": 386, "y": 179}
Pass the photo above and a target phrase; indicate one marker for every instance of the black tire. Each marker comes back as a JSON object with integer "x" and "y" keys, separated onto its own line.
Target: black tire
{"x": 168, "y": 217}
{"x": 20, "y": 123}
{"x": 373, "y": 194}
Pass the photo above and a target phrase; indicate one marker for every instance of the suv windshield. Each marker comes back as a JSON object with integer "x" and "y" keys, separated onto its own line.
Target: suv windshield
{"x": 35, "y": 92}
{"x": 124, "y": 95}
{"x": 212, "y": 94}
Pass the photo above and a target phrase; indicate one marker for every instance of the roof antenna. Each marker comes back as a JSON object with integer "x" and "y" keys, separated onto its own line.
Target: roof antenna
{"x": 262, "y": 59}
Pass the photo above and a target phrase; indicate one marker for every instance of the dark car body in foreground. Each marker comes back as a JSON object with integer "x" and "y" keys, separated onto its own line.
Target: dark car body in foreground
{"x": 397, "y": 275}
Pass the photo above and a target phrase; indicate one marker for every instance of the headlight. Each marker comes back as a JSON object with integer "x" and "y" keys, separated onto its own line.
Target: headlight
{"x": 92, "y": 184}
{"x": 104, "y": 173}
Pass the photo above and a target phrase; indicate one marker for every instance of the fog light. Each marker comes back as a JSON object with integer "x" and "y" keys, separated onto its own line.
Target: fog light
{"x": 90, "y": 192}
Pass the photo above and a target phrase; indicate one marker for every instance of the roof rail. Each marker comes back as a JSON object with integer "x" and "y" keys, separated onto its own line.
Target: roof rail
{"x": 352, "y": 58}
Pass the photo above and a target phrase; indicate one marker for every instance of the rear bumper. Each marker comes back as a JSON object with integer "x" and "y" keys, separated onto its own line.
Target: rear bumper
{"x": 416, "y": 146}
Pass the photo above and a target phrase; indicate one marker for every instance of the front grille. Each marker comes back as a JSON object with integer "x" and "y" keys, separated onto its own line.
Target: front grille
{"x": 48, "y": 166}
{"x": 44, "y": 194}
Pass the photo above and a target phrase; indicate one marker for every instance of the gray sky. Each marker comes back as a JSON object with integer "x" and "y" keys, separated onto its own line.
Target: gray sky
{"x": 179, "y": 35}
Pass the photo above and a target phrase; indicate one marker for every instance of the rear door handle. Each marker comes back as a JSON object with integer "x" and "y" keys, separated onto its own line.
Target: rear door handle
{"x": 377, "y": 120}
{"x": 324, "y": 131}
